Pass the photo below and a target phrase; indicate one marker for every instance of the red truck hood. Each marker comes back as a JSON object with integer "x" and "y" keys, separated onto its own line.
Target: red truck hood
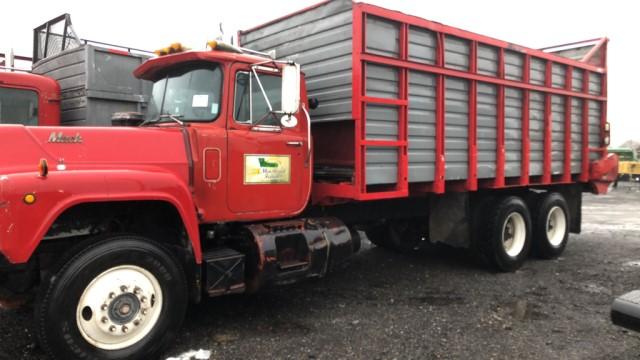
{"x": 92, "y": 148}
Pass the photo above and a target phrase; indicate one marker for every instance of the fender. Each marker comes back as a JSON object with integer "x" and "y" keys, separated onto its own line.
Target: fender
{"x": 23, "y": 226}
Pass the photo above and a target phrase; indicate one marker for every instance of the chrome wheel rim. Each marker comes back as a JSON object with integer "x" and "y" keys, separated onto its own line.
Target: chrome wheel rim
{"x": 119, "y": 307}
{"x": 556, "y": 226}
{"x": 514, "y": 233}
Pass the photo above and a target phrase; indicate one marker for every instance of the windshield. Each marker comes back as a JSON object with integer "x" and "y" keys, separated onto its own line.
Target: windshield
{"x": 191, "y": 93}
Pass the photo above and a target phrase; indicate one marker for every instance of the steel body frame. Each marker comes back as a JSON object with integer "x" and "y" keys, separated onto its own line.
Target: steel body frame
{"x": 360, "y": 58}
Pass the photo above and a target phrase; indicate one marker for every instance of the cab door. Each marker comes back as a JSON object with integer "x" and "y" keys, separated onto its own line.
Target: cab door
{"x": 268, "y": 165}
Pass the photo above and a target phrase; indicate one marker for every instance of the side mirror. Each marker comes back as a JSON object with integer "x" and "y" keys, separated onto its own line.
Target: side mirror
{"x": 290, "y": 88}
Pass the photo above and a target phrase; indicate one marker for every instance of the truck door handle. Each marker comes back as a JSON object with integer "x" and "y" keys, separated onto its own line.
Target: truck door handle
{"x": 294, "y": 143}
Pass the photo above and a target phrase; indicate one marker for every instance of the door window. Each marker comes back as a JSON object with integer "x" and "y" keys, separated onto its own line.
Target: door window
{"x": 18, "y": 106}
{"x": 250, "y": 105}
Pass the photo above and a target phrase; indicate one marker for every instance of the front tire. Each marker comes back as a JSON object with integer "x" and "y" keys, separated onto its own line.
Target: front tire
{"x": 121, "y": 298}
{"x": 507, "y": 239}
{"x": 551, "y": 228}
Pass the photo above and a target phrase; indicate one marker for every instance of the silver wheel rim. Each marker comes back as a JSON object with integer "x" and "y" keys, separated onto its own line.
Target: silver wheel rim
{"x": 556, "y": 226}
{"x": 514, "y": 234}
{"x": 119, "y": 307}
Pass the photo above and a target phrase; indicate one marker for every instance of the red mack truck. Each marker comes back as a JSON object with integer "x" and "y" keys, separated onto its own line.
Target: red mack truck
{"x": 247, "y": 172}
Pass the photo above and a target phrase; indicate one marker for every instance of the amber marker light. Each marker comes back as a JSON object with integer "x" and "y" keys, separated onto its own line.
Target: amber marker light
{"x": 29, "y": 199}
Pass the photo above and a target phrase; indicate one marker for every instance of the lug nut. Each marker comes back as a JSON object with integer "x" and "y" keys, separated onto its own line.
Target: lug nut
{"x": 136, "y": 322}
{"x": 104, "y": 320}
{"x": 104, "y": 307}
{"x": 125, "y": 329}
{"x": 112, "y": 295}
{"x": 144, "y": 311}
{"x": 112, "y": 328}
{"x": 137, "y": 290}
{"x": 143, "y": 299}
{"x": 123, "y": 288}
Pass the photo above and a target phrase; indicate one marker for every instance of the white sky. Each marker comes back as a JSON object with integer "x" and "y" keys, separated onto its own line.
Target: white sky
{"x": 152, "y": 25}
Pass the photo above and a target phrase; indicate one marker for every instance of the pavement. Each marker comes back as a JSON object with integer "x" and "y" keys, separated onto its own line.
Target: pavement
{"x": 437, "y": 304}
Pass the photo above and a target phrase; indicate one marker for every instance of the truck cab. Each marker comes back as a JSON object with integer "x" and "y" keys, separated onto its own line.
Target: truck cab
{"x": 29, "y": 99}
{"x": 247, "y": 165}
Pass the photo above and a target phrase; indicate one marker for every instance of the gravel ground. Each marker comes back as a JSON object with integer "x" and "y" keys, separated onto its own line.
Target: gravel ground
{"x": 431, "y": 305}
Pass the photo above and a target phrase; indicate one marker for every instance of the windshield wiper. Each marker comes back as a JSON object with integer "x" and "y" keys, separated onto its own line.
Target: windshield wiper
{"x": 174, "y": 118}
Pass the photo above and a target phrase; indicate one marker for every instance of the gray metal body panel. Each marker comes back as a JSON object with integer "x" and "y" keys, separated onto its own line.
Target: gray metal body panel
{"x": 577, "y": 81}
{"x": 558, "y": 75}
{"x": 557, "y": 134}
{"x": 456, "y": 53}
{"x": 95, "y": 83}
{"x": 594, "y": 127}
{"x": 513, "y": 132}
{"x": 422, "y": 126}
{"x": 576, "y": 135}
{"x": 536, "y": 133}
{"x": 487, "y": 60}
{"x": 382, "y": 123}
{"x": 537, "y": 71}
{"x": 595, "y": 83}
{"x": 320, "y": 39}
{"x": 513, "y": 65}
{"x": 382, "y": 37}
{"x": 456, "y": 128}
{"x": 422, "y": 45}
{"x": 487, "y": 110}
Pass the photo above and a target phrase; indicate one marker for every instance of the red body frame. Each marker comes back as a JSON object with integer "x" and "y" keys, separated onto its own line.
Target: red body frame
{"x": 47, "y": 89}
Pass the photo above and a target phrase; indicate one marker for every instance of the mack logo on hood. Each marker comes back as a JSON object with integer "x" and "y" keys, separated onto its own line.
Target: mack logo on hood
{"x": 59, "y": 137}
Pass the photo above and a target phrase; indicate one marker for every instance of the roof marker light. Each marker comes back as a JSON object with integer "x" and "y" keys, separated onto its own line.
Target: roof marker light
{"x": 220, "y": 46}
{"x": 172, "y": 49}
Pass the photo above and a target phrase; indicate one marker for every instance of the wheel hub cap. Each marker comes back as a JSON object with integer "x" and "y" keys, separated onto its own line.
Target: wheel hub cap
{"x": 556, "y": 226}
{"x": 514, "y": 233}
{"x": 124, "y": 308}
{"x": 119, "y": 307}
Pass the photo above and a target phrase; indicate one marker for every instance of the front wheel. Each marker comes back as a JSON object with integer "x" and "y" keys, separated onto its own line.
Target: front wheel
{"x": 121, "y": 298}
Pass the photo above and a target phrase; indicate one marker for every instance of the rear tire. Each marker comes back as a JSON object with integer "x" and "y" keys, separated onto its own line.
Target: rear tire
{"x": 121, "y": 298}
{"x": 507, "y": 239}
{"x": 551, "y": 226}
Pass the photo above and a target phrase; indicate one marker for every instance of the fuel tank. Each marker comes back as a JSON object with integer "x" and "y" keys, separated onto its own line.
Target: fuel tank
{"x": 291, "y": 250}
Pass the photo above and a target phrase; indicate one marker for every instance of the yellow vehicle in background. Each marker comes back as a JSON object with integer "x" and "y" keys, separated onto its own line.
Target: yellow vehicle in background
{"x": 628, "y": 164}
